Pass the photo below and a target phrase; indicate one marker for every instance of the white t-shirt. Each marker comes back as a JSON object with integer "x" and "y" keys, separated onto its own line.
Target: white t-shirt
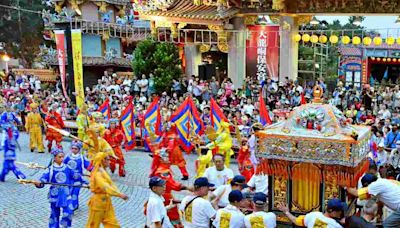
{"x": 259, "y": 182}
{"x": 198, "y": 213}
{"x": 387, "y": 191}
{"x": 236, "y": 217}
{"x": 223, "y": 190}
{"x": 156, "y": 211}
{"x": 248, "y": 109}
{"x": 143, "y": 84}
{"x": 218, "y": 178}
{"x": 260, "y": 219}
{"x": 317, "y": 219}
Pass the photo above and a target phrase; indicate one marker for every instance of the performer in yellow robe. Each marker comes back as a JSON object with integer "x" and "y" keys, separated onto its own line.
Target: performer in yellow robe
{"x": 95, "y": 143}
{"x": 223, "y": 142}
{"x": 82, "y": 121}
{"x": 33, "y": 125}
{"x": 97, "y": 121}
{"x": 101, "y": 210}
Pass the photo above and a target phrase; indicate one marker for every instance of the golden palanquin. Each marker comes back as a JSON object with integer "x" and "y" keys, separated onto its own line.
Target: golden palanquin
{"x": 310, "y": 155}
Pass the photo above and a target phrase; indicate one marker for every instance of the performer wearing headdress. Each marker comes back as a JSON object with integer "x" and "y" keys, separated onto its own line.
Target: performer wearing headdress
{"x": 223, "y": 142}
{"x": 170, "y": 142}
{"x": 54, "y": 119}
{"x": 114, "y": 136}
{"x": 101, "y": 210}
{"x": 33, "y": 125}
{"x": 95, "y": 143}
{"x": 97, "y": 121}
{"x": 246, "y": 167}
{"x": 82, "y": 121}
{"x": 59, "y": 196}
{"x": 78, "y": 163}
{"x": 8, "y": 144}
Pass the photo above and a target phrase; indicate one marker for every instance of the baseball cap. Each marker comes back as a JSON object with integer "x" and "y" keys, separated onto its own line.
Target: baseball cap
{"x": 260, "y": 198}
{"x": 336, "y": 205}
{"x": 239, "y": 180}
{"x": 202, "y": 182}
{"x": 235, "y": 196}
{"x": 368, "y": 179}
{"x": 156, "y": 181}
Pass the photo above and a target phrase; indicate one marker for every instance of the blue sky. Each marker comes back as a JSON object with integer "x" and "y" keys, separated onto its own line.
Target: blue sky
{"x": 383, "y": 24}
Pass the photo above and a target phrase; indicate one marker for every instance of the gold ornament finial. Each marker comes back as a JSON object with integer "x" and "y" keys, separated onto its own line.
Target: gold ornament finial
{"x": 318, "y": 92}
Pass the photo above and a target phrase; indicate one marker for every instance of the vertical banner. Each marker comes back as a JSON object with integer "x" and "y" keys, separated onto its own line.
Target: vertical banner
{"x": 76, "y": 37}
{"x": 262, "y": 52}
{"x": 61, "y": 58}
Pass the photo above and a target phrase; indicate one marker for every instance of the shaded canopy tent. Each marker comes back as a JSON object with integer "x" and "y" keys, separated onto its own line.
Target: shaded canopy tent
{"x": 310, "y": 155}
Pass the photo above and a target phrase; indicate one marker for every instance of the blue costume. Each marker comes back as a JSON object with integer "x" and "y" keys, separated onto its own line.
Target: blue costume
{"x": 59, "y": 196}
{"x": 9, "y": 139}
{"x": 77, "y": 163}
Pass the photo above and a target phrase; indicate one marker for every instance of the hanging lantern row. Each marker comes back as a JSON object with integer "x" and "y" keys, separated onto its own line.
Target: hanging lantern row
{"x": 380, "y": 59}
{"x": 356, "y": 40}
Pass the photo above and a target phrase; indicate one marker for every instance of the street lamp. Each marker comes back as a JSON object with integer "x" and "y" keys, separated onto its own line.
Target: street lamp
{"x": 6, "y": 58}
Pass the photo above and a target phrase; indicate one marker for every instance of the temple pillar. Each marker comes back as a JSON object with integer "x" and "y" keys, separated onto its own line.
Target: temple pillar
{"x": 237, "y": 53}
{"x": 193, "y": 59}
{"x": 289, "y": 49}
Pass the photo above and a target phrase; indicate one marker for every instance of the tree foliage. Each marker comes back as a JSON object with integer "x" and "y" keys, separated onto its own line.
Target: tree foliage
{"x": 20, "y": 30}
{"x": 161, "y": 60}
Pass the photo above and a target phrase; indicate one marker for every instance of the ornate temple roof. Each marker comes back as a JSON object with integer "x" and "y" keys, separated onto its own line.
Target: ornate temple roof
{"x": 316, "y": 133}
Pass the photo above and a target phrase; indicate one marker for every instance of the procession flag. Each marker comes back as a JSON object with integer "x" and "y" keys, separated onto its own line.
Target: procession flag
{"x": 105, "y": 109}
{"x": 128, "y": 126}
{"x": 197, "y": 122}
{"x": 303, "y": 99}
{"x": 151, "y": 122}
{"x": 76, "y": 37}
{"x": 264, "y": 114}
{"x": 217, "y": 115}
{"x": 60, "y": 44}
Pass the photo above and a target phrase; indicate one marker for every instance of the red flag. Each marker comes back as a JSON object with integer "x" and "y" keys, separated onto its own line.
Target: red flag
{"x": 264, "y": 114}
{"x": 303, "y": 99}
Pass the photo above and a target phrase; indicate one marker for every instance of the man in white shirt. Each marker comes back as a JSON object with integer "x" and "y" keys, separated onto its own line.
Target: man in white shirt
{"x": 259, "y": 183}
{"x": 252, "y": 142}
{"x": 221, "y": 194}
{"x": 196, "y": 211}
{"x": 248, "y": 108}
{"x": 334, "y": 210}
{"x": 394, "y": 158}
{"x": 156, "y": 213}
{"x": 231, "y": 216}
{"x": 143, "y": 84}
{"x": 218, "y": 174}
{"x": 387, "y": 191}
{"x": 260, "y": 218}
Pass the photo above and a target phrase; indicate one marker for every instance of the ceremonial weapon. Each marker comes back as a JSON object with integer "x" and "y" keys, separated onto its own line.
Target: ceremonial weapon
{"x": 67, "y": 134}
{"x": 22, "y": 181}
{"x": 31, "y": 165}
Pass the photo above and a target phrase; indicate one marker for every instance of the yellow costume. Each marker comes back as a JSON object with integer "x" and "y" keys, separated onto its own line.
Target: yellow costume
{"x": 95, "y": 143}
{"x": 97, "y": 119}
{"x": 101, "y": 210}
{"x": 223, "y": 142}
{"x": 33, "y": 125}
{"x": 82, "y": 121}
{"x": 202, "y": 162}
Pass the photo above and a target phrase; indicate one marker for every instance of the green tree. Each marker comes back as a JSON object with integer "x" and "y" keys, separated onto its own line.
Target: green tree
{"x": 160, "y": 59}
{"x": 21, "y": 30}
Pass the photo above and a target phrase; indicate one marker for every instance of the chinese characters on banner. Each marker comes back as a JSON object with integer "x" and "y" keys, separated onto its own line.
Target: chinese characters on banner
{"x": 61, "y": 58}
{"x": 262, "y": 52}
{"x": 76, "y": 36}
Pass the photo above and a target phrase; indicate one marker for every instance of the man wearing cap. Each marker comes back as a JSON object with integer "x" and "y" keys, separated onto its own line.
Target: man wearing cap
{"x": 334, "y": 211}
{"x": 54, "y": 119}
{"x": 33, "y": 125}
{"x": 221, "y": 194}
{"x": 156, "y": 212}
{"x": 196, "y": 211}
{"x": 387, "y": 191}
{"x": 231, "y": 216}
{"x": 260, "y": 218}
{"x": 218, "y": 174}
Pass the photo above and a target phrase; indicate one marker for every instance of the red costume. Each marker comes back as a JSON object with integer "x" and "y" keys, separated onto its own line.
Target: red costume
{"x": 54, "y": 119}
{"x": 115, "y": 138}
{"x": 164, "y": 172}
{"x": 246, "y": 167}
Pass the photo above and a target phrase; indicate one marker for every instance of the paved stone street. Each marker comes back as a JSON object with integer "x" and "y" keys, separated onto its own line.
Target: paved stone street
{"x": 27, "y": 206}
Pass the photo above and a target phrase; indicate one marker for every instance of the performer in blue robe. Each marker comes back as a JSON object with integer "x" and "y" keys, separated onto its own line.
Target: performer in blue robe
{"x": 8, "y": 117}
{"x": 59, "y": 196}
{"x": 77, "y": 162}
{"x": 9, "y": 139}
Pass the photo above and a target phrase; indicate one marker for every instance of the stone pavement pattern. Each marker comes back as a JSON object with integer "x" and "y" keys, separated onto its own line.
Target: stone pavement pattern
{"x": 27, "y": 206}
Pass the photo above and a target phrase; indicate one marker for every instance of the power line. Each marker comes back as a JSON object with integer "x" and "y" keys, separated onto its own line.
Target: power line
{"x": 20, "y": 9}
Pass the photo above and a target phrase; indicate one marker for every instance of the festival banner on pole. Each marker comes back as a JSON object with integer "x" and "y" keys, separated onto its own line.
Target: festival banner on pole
{"x": 76, "y": 37}
{"x": 61, "y": 58}
{"x": 262, "y": 52}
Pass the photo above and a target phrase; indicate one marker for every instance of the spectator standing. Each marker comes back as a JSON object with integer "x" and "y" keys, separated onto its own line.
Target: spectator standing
{"x": 392, "y": 137}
